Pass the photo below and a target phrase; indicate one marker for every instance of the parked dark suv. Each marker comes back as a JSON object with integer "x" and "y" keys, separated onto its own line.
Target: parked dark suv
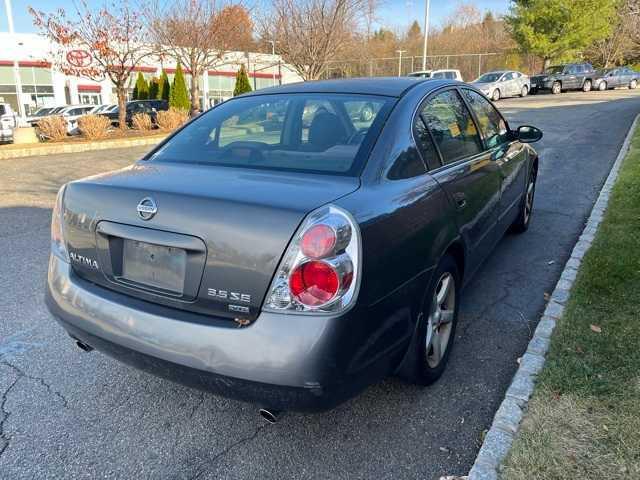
{"x": 150, "y": 107}
{"x": 573, "y": 76}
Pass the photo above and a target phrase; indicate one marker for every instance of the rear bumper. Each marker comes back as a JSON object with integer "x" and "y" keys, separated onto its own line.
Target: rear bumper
{"x": 287, "y": 362}
{"x": 6, "y": 134}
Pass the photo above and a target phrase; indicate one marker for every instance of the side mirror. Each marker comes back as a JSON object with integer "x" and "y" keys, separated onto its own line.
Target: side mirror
{"x": 528, "y": 134}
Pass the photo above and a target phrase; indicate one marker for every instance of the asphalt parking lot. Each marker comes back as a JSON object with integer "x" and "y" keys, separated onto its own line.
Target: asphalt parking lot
{"x": 69, "y": 414}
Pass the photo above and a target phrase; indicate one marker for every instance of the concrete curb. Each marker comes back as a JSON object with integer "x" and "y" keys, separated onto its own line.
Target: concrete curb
{"x": 56, "y": 148}
{"x": 506, "y": 421}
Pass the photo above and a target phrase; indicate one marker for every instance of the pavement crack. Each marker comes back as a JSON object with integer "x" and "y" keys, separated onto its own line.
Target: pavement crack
{"x": 206, "y": 465}
{"x": 6, "y": 440}
{"x": 22, "y": 374}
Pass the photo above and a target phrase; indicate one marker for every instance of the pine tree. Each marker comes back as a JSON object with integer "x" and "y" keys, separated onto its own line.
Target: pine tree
{"x": 164, "y": 88}
{"x": 242, "y": 82}
{"x": 179, "y": 97}
{"x": 154, "y": 87}
{"x": 141, "y": 90}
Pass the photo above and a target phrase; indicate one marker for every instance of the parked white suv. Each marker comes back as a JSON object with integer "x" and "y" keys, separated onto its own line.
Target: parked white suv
{"x": 448, "y": 74}
{"x": 8, "y": 123}
{"x": 72, "y": 114}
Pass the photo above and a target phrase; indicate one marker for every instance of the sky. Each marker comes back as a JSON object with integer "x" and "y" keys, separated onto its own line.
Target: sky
{"x": 392, "y": 13}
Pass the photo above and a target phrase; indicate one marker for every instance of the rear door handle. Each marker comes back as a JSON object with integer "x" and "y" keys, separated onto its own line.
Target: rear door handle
{"x": 461, "y": 199}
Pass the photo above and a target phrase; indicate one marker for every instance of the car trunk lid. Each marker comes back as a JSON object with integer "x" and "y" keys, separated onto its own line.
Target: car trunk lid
{"x": 211, "y": 246}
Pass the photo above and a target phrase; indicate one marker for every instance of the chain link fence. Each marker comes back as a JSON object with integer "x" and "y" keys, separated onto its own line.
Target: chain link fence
{"x": 471, "y": 65}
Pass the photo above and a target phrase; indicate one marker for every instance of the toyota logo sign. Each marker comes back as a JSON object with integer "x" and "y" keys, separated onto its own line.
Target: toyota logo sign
{"x": 79, "y": 58}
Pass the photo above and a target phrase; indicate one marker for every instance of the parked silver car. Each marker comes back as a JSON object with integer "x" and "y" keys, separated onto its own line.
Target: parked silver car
{"x": 503, "y": 83}
{"x": 8, "y": 123}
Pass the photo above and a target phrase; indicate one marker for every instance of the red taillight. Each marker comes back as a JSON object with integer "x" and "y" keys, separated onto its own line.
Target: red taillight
{"x": 314, "y": 283}
{"x": 318, "y": 241}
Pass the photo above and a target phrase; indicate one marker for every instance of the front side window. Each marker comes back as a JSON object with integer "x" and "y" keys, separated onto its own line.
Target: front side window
{"x": 320, "y": 133}
{"x": 491, "y": 124}
{"x": 452, "y": 126}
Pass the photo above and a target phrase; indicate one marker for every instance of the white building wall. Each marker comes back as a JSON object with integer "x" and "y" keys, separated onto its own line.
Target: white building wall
{"x": 30, "y": 49}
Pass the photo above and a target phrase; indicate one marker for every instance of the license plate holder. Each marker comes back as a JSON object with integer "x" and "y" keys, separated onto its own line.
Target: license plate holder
{"x": 155, "y": 266}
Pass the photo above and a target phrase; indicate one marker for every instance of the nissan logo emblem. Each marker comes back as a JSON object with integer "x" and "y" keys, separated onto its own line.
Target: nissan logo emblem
{"x": 147, "y": 208}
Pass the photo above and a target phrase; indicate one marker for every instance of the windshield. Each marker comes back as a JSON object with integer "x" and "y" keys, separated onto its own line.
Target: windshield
{"x": 556, "y": 69}
{"x": 489, "y": 77}
{"x": 320, "y": 133}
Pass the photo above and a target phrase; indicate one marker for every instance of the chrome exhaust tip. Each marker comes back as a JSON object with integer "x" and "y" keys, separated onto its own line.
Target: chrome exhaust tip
{"x": 270, "y": 416}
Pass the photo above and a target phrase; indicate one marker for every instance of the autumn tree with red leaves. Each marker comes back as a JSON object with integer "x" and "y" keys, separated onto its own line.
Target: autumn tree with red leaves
{"x": 112, "y": 37}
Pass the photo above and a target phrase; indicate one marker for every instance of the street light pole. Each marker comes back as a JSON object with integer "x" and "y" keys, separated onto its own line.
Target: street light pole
{"x": 400, "y": 52}
{"x": 426, "y": 35}
{"x": 273, "y": 52}
{"x": 16, "y": 67}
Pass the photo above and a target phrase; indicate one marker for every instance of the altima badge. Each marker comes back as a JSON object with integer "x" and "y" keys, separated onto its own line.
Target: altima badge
{"x": 147, "y": 208}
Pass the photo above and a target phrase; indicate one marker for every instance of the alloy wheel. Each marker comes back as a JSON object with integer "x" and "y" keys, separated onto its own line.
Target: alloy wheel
{"x": 603, "y": 86}
{"x": 528, "y": 203}
{"x": 556, "y": 88}
{"x": 587, "y": 86}
{"x": 633, "y": 84}
{"x": 495, "y": 96}
{"x": 440, "y": 319}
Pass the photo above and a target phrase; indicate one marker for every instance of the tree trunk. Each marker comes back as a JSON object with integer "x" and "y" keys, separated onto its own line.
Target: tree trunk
{"x": 122, "y": 106}
{"x": 547, "y": 63}
{"x": 195, "y": 96}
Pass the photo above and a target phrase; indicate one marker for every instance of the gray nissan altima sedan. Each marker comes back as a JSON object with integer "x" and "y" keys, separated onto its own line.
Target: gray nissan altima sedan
{"x": 287, "y": 250}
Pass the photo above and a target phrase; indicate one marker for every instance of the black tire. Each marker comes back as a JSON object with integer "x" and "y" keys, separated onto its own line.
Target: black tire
{"x": 425, "y": 372}
{"x": 524, "y": 91}
{"x": 602, "y": 86}
{"x": 556, "y": 88}
{"x": 586, "y": 86}
{"x": 533, "y": 91}
{"x": 495, "y": 96}
{"x": 521, "y": 224}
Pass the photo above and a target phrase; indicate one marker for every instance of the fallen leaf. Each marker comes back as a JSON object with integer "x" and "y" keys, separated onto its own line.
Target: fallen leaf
{"x": 444, "y": 449}
{"x": 519, "y": 359}
{"x": 547, "y": 296}
{"x": 595, "y": 328}
{"x": 551, "y": 262}
{"x": 579, "y": 349}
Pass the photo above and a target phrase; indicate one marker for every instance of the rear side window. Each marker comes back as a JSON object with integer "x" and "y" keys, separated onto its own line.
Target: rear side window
{"x": 3, "y": 110}
{"x": 320, "y": 133}
{"x": 452, "y": 126}
{"x": 492, "y": 126}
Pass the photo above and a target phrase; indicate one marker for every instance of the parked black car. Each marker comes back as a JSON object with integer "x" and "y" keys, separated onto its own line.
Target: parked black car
{"x": 150, "y": 107}
{"x": 616, "y": 77}
{"x": 294, "y": 265}
{"x": 573, "y": 76}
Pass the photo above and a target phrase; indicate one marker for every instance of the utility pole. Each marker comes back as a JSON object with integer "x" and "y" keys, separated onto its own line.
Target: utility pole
{"x": 400, "y": 52}
{"x": 273, "y": 52}
{"x": 426, "y": 35}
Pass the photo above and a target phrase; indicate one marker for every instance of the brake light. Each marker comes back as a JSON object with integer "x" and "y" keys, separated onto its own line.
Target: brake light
{"x": 318, "y": 241}
{"x": 318, "y": 270}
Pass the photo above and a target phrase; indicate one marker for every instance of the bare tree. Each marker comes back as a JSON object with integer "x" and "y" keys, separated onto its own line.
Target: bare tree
{"x": 312, "y": 32}
{"x": 198, "y": 34}
{"x": 107, "y": 43}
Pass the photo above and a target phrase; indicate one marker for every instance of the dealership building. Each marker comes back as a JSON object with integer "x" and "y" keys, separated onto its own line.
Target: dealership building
{"x": 31, "y": 75}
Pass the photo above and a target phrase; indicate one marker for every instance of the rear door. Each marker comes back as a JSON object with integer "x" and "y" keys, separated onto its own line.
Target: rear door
{"x": 570, "y": 80}
{"x": 466, "y": 172}
{"x": 510, "y": 84}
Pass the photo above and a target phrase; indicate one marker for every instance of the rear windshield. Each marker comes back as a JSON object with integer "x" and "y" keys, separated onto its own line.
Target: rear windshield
{"x": 321, "y": 133}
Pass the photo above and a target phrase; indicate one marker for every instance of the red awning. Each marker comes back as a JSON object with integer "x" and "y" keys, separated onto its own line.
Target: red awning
{"x": 89, "y": 88}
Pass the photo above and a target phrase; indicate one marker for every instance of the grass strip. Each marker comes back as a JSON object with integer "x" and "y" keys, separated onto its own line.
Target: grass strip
{"x": 583, "y": 421}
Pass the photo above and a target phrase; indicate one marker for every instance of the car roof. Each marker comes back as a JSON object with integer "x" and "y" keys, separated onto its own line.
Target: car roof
{"x": 385, "y": 86}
